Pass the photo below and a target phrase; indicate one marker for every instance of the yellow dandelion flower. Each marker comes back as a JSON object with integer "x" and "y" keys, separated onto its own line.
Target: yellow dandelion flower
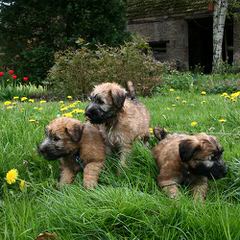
{"x": 15, "y": 98}
{"x": 203, "y": 93}
{"x": 31, "y": 100}
{"x": 222, "y": 120}
{"x": 236, "y": 94}
{"x": 43, "y": 101}
{"x": 72, "y": 105}
{"x": 151, "y": 130}
{"x": 61, "y": 102}
{"x": 173, "y": 105}
{"x": 63, "y": 109}
{"x": 40, "y": 109}
{"x": 68, "y": 115}
{"x": 32, "y": 120}
{"x": 69, "y": 97}
{"x": 11, "y": 176}
{"x": 23, "y": 99}
{"x": 76, "y": 110}
{"x": 9, "y": 107}
{"x": 184, "y": 101}
{"x": 168, "y": 108}
{"x": 22, "y": 185}
{"x": 171, "y": 90}
{"x": 202, "y": 102}
{"x": 224, "y": 94}
{"x": 177, "y": 98}
{"x": 7, "y": 103}
{"x": 194, "y": 124}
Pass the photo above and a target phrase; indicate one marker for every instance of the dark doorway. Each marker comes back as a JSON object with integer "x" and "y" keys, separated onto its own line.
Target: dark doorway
{"x": 227, "y": 53}
{"x": 200, "y": 43}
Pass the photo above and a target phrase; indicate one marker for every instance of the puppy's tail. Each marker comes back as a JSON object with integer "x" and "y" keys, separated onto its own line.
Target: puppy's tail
{"x": 131, "y": 90}
{"x": 160, "y": 133}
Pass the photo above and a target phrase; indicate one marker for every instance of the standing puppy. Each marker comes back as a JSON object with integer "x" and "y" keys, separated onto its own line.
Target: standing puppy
{"x": 187, "y": 159}
{"x": 121, "y": 119}
{"x": 77, "y": 146}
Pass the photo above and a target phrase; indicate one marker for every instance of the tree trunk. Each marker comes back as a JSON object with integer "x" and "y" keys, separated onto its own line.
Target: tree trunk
{"x": 219, "y": 17}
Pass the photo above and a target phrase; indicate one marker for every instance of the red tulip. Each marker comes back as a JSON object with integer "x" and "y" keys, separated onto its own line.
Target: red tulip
{"x": 14, "y": 76}
{"x": 11, "y": 72}
{"x": 25, "y": 79}
{"x": 1, "y": 74}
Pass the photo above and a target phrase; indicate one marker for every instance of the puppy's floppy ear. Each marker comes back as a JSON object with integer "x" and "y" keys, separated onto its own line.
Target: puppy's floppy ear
{"x": 159, "y": 133}
{"x": 74, "y": 132}
{"x": 187, "y": 148}
{"x": 118, "y": 97}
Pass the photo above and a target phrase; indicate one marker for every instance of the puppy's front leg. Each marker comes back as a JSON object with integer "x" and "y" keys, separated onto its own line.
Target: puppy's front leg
{"x": 199, "y": 188}
{"x": 172, "y": 191}
{"x": 91, "y": 174}
{"x": 169, "y": 186}
{"x": 68, "y": 172}
{"x": 124, "y": 153}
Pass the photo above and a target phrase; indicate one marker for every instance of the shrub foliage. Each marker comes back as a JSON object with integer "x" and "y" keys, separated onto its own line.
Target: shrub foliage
{"x": 76, "y": 71}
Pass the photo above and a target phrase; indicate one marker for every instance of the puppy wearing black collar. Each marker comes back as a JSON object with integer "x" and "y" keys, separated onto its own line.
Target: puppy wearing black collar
{"x": 77, "y": 146}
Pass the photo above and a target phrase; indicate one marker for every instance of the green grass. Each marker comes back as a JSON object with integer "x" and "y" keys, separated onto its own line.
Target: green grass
{"x": 130, "y": 206}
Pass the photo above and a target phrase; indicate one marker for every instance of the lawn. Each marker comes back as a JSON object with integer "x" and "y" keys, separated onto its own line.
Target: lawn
{"x": 130, "y": 206}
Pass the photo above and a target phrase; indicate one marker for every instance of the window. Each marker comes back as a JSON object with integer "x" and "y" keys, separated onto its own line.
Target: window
{"x": 158, "y": 48}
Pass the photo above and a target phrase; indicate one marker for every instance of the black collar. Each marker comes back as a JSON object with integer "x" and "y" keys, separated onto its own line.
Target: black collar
{"x": 78, "y": 159}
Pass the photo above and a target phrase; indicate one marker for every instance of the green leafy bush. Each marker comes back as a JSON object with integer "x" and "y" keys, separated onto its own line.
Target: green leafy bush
{"x": 76, "y": 71}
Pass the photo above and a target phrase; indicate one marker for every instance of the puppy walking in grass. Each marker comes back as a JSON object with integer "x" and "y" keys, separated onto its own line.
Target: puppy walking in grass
{"x": 120, "y": 117}
{"x": 187, "y": 159}
{"x": 77, "y": 146}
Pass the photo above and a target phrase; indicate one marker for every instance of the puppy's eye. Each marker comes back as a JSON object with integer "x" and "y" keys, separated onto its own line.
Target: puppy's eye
{"x": 55, "y": 138}
{"x": 216, "y": 155}
{"x": 99, "y": 101}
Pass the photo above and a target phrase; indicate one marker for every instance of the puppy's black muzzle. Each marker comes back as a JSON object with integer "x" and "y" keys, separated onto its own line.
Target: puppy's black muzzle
{"x": 217, "y": 171}
{"x": 47, "y": 153}
{"x": 97, "y": 115}
{"x": 94, "y": 114}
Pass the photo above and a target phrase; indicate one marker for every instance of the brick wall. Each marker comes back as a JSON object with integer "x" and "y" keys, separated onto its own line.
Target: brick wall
{"x": 173, "y": 30}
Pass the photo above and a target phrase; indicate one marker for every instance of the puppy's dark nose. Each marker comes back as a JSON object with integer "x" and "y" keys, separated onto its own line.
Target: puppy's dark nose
{"x": 91, "y": 111}
{"x": 87, "y": 113}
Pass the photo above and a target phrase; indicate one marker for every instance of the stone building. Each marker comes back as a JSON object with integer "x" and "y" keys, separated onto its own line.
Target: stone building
{"x": 181, "y": 31}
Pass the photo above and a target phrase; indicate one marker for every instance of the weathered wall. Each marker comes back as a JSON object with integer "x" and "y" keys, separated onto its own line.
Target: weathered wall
{"x": 236, "y": 41}
{"x": 173, "y": 30}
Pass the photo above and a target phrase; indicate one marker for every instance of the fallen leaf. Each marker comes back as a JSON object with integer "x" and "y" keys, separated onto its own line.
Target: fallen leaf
{"x": 46, "y": 236}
